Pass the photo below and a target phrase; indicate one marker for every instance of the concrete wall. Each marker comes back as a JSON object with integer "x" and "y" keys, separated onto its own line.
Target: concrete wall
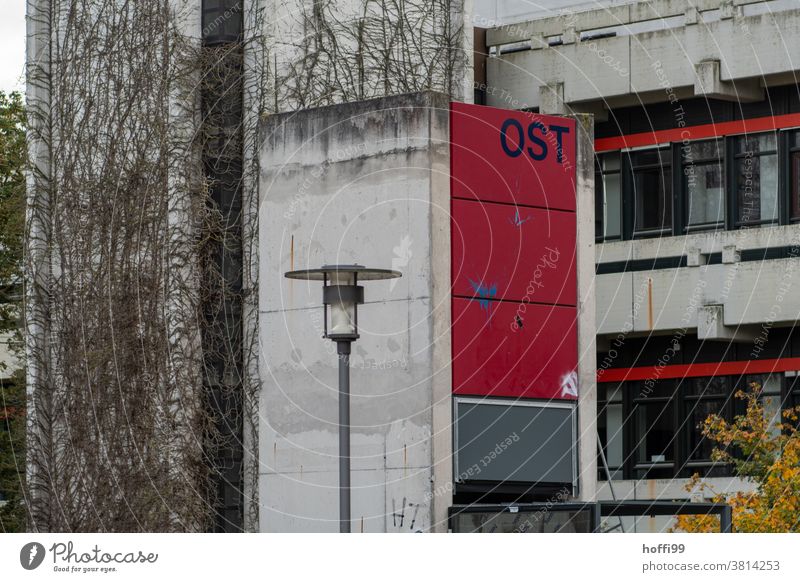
{"x": 347, "y": 55}
{"x": 657, "y": 44}
{"x": 587, "y": 348}
{"x": 748, "y": 293}
{"x": 366, "y": 182}
{"x": 490, "y": 13}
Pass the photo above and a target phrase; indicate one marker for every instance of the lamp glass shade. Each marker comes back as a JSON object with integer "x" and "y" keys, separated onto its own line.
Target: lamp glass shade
{"x": 343, "y": 310}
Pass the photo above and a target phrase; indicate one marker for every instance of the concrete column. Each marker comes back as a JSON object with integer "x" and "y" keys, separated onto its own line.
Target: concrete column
{"x": 587, "y": 352}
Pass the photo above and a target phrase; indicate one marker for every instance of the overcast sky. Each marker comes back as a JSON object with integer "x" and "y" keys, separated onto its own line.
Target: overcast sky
{"x": 12, "y": 45}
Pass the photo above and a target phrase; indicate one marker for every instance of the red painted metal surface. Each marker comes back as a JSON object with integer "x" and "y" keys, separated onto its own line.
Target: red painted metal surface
{"x": 494, "y": 356}
{"x": 513, "y": 254}
{"x": 523, "y": 253}
{"x": 754, "y": 125}
{"x": 512, "y": 157}
{"x": 699, "y": 370}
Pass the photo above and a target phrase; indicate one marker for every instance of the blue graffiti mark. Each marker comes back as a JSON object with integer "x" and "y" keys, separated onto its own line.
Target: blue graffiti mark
{"x": 484, "y": 294}
{"x": 517, "y": 221}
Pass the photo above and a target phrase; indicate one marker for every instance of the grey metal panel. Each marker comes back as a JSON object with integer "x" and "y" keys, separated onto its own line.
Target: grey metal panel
{"x": 500, "y": 440}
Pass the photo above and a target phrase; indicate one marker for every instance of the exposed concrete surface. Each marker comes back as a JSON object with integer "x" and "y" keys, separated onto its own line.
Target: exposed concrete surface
{"x": 587, "y": 349}
{"x": 657, "y": 44}
{"x": 365, "y": 182}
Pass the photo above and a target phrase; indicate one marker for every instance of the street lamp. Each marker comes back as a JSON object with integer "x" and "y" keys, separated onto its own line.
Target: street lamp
{"x": 342, "y": 293}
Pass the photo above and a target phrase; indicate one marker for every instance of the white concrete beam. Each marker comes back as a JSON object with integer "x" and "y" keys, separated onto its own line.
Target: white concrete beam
{"x": 709, "y": 84}
{"x": 711, "y": 326}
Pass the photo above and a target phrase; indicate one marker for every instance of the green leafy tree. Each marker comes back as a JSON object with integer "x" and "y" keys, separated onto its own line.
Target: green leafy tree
{"x": 13, "y": 156}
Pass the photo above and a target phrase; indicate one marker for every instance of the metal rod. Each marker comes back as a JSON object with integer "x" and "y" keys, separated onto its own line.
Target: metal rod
{"x": 608, "y": 476}
{"x": 343, "y": 349}
{"x": 726, "y": 519}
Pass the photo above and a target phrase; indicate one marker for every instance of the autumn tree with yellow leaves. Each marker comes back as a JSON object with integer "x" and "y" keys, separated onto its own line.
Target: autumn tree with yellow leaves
{"x": 766, "y": 454}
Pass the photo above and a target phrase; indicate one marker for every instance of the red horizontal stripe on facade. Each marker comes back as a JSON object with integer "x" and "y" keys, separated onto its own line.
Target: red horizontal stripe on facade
{"x": 754, "y": 125}
{"x": 698, "y": 370}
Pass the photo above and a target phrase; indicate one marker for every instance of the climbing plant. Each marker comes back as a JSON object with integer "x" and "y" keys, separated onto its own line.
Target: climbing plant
{"x": 763, "y": 453}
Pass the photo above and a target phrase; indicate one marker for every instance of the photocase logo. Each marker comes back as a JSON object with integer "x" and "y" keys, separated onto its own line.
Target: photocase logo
{"x": 31, "y": 555}
{"x": 402, "y": 256}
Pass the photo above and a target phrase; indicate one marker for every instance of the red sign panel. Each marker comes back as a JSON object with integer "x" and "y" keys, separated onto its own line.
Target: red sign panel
{"x": 512, "y": 157}
{"x": 506, "y": 348}
{"x": 513, "y": 262}
{"x": 524, "y": 253}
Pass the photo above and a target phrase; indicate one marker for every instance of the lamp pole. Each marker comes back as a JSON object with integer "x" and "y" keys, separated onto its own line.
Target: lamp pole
{"x": 343, "y": 350}
{"x": 340, "y": 291}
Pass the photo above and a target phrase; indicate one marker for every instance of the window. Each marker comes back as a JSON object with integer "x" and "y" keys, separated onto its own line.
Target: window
{"x": 792, "y": 395}
{"x": 731, "y": 181}
{"x": 756, "y": 179}
{"x": 703, "y": 184}
{"x": 771, "y": 397}
{"x": 794, "y": 175}
{"x": 704, "y": 397}
{"x": 609, "y": 426}
{"x": 652, "y": 190}
{"x": 608, "y": 197}
{"x": 654, "y": 429}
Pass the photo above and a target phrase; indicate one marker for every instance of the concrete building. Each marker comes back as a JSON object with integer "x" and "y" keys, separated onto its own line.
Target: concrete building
{"x": 696, "y": 108}
{"x": 680, "y": 121}
{"x": 370, "y": 182}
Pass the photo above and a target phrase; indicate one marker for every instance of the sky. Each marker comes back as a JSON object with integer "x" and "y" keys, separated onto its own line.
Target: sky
{"x": 12, "y": 45}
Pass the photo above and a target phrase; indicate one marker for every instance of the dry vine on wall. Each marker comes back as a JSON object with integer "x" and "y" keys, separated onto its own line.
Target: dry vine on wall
{"x": 141, "y": 265}
{"x": 120, "y": 286}
{"x": 327, "y": 51}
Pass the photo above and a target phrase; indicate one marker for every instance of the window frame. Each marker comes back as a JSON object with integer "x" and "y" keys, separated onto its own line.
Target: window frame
{"x": 630, "y": 231}
{"x": 683, "y": 227}
{"x": 602, "y": 420}
{"x": 727, "y": 411}
{"x": 599, "y": 173}
{"x": 682, "y": 404}
{"x": 733, "y": 194}
{"x": 785, "y": 143}
{"x": 680, "y": 227}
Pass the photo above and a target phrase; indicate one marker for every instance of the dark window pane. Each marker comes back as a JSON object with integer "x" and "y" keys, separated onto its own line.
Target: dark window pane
{"x": 705, "y": 193}
{"x": 654, "y": 389}
{"x": 653, "y": 198}
{"x": 599, "y": 205}
{"x": 757, "y": 188}
{"x": 613, "y": 199}
{"x": 608, "y": 196}
{"x": 697, "y": 412}
{"x": 708, "y": 150}
{"x": 610, "y": 431}
{"x": 655, "y": 432}
{"x": 757, "y": 143}
{"x": 713, "y": 386}
{"x": 610, "y": 392}
{"x": 651, "y": 157}
{"x": 795, "y": 189}
{"x": 793, "y": 394}
{"x": 703, "y": 182}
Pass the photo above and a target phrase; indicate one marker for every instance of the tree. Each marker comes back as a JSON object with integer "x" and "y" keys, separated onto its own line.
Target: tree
{"x": 765, "y": 454}
{"x": 13, "y": 157}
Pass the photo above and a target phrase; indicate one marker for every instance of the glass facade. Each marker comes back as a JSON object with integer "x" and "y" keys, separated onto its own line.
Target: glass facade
{"x": 740, "y": 181}
{"x": 654, "y": 429}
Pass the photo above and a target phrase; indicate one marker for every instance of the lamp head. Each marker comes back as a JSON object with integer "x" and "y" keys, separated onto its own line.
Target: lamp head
{"x": 342, "y": 293}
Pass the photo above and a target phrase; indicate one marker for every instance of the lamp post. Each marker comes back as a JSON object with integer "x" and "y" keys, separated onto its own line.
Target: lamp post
{"x": 342, "y": 294}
